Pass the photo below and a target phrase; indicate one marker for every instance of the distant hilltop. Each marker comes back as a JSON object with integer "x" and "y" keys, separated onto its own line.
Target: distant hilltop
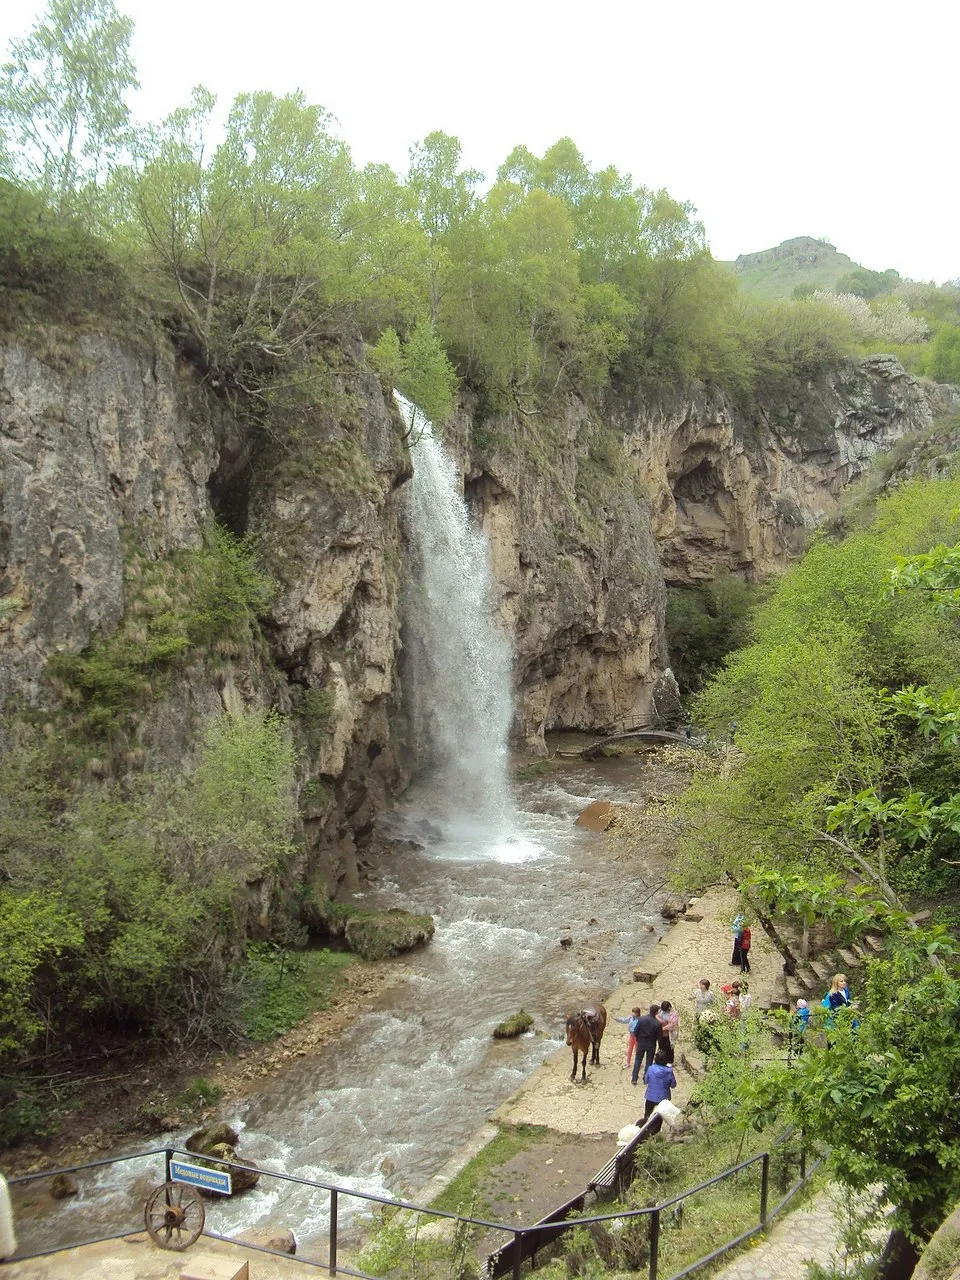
{"x": 804, "y": 251}
{"x": 804, "y": 260}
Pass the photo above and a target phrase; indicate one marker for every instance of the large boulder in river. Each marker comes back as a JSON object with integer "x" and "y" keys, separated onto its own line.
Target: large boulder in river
{"x": 597, "y": 816}
{"x": 388, "y": 933}
{"x": 203, "y": 1139}
{"x": 218, "y": 1142}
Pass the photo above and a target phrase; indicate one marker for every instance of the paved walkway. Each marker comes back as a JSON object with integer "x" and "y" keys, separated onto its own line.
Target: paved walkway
{"x": 807, "y": 1235}
{"x": 690, "y": 950}
{"x": 137, "y": 1258}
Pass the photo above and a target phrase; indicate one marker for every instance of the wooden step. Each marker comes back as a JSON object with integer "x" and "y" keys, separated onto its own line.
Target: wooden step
{"x": 874, "y": 943}
{"x": 796, "y": 987}
{"x": 849, "y": 958}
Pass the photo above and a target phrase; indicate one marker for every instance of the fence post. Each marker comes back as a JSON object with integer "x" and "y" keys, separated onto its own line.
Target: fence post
{"x": 167, "y": 1157}
{"x": 517, "y": 1253}
{"x": 764, "y": 1190}
{"x": 333, "y": 1232}
{"x": 654, "y": 1243}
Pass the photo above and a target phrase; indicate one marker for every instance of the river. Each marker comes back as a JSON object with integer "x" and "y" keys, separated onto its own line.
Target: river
{"x": 412, "y": 1078}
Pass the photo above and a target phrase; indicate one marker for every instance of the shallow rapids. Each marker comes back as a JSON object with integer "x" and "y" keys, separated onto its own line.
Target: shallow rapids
{"x": 413, "y": 1078}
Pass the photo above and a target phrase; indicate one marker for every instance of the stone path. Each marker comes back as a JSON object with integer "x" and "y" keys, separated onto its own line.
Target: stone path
{"x": 689, "y": 950}
{"x": 137, "y": 1258}
{"x": 806, "y": 1235}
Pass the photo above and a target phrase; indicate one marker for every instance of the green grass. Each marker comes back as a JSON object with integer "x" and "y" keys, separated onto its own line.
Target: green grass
{"x": 199, "y": 1093}
{"x": 709, "y": 1218}
{"x": 281, "y": 988}
{"x": 465, "y": 1189}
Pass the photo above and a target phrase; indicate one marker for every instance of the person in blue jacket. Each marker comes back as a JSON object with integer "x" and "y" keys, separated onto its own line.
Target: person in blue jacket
{"x": 659, "y": 1079}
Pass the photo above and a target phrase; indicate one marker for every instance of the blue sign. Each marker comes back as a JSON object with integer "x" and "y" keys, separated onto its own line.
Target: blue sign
{"x": 196, "y": 1175}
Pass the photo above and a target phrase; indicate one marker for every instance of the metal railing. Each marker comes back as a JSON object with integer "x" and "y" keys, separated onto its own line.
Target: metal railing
{"x": 524, "y": 1242}
{"x": 529, "y": 1240}
{"x": 336, "y": 1193}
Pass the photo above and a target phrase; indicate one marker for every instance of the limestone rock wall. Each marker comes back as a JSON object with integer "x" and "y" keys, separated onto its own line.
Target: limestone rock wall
{"x": 115, "y": 447}
{"x": 740, "y": 493}
{"x": 576, "y": 563}
{"x": 588, "y": 512}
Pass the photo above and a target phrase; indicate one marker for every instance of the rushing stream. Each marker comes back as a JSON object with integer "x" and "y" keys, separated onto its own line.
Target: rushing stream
{"x": 506, "y": 875}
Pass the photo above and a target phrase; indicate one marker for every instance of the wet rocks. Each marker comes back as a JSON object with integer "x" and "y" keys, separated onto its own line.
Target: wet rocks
{"x": 64, "y": 1185}
{"x": 513, "y": 1027}
{"x": 279, "y": 1239}
{"x": 218, "y": 1142}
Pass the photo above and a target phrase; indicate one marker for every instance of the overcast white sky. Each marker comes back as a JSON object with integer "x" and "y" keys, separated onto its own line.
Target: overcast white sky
{"x": 830, "y": 118}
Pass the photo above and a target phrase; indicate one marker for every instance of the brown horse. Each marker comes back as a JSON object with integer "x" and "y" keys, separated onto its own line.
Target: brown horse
{"x": 584, "y": 1033}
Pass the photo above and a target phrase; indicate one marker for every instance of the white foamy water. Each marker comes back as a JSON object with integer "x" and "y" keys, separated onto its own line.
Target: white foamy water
{"x": 460, "y": 662}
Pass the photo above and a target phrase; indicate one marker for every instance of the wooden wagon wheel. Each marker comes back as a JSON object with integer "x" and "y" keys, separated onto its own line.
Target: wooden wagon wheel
{"x": 174, "y": 1216}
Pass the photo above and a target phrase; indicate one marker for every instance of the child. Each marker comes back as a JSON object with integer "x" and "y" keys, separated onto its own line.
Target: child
{"x": 659, "y": 1079}
{"x": 703, "y": 997}
{"x": 798, "y": 1025}
{"x": 745, "y": 950}
{"x": 635, "y": 1016}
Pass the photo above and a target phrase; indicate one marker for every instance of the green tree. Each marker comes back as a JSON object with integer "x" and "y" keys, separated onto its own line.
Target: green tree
{"x": 868, "y": 284}
{"x": 882, "y": 1095}
{"x": 250, "y": 235}
{"x": 62, "y": 100}
{"x": 943, "y": 359}
{"x": 443, "y": 196}
{"x": 35, "y": 930}
{"x": 420, "y": 370}
{"x": 819, "y": 742}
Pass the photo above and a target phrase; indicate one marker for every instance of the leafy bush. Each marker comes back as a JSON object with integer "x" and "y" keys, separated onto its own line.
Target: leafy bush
{"x": 282, "y": 987}
{"x": 705, "y": 623}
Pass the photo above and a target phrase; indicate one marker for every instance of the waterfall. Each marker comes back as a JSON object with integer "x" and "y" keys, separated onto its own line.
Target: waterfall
{"x": 461, "y": 663}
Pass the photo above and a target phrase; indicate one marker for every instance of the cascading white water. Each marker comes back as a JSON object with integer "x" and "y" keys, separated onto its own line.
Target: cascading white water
{"x": 462, "y": 663}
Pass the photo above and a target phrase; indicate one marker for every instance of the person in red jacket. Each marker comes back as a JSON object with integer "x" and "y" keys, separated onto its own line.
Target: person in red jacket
{"x": 745, "y": 950}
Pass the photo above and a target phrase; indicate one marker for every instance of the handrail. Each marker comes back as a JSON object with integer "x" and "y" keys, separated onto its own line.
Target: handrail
{"x": 525, "y": 1240}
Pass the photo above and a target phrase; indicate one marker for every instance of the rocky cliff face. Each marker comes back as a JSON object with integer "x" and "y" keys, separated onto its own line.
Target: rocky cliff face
{"x": 739, "y": 494}
{"x": 588, "y": 513}
{"x": 115, "y": 451}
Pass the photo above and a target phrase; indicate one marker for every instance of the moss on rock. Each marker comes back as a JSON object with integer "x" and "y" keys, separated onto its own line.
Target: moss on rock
{"x": 375, "y": 937}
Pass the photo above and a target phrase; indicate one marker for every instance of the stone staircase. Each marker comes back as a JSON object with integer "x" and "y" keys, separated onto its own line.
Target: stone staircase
{"x": 813, "y": 975}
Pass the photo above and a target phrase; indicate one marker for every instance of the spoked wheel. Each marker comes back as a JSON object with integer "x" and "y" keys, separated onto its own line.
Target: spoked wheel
{"x": 174, "y": 1216}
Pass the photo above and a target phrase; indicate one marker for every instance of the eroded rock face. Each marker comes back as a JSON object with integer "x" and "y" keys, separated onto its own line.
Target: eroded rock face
{"x": 112, "y": 443}
{"x": 576, "y": 565}
{"x": 735, "y": 494}
{"x": 586, "y": 512}
{"x": 118, "y": 447}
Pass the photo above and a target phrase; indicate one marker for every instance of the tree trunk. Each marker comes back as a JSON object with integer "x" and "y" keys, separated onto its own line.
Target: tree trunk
{"x": 770, "y": 929}
{"x": 899, "y": 1258}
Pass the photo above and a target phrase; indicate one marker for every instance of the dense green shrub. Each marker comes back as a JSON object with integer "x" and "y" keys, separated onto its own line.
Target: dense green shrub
{"x": 704, "y": 623}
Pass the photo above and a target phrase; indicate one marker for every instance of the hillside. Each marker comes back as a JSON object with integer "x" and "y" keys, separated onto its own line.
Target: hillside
{"x": 775, "y": 273}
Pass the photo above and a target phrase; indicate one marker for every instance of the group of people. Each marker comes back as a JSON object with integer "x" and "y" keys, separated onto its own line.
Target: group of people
{"x": 837, "y": 997}
{"x": 651, "y": 1038}
{"x": 652, "y": 1035}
